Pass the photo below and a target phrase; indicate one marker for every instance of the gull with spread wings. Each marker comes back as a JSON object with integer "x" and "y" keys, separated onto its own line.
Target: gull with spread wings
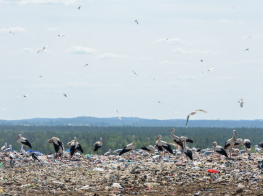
{"x": 241, "y": 102}
{"x": 193, "y": 113}
{"x": 134, "y": 73}
{"x": 208, "y": 70}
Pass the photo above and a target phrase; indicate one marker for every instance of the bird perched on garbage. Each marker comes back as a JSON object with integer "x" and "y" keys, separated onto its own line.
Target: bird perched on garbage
{"x": 219, "y": 149}
{"x": 4, "y": 147}
{"x": 187, "y": 150}
{"x": 98, "y": 145}
{"x": 231, "y": 142}
{"x": 260, "y": 144}
{"x": 74, "y": 147}
{"x": 129, "y": 147}
{"x": 164, "y": 144}
{"x": 175, "y": 138}
{"x": 35, "y": 157}
{"x": 108, "y": 153}
{"x": 57, "y": 144}
{"x": 23, "y": 141}
{"x": 149, "y": 149}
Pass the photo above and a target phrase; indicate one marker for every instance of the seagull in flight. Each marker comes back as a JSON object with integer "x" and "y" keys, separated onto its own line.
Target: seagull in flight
{"x": 208, "y": 70}
{"x": 241, "y": 102}
{"x": 136, "y": 22}
{"x": 201, "y": 61}
{"x": 249, "y": 37}
{"x": 40, "y": 76}
{"x": 159, "y": 102}
{"x": 27, "y": 94}
{"x": 117, "y": 111}
{"x": 79, "y": 7}
{"x": 135, "y": 73}
{"x": 246, "y": 49}
{"x": 43, "y": 49}
{"x": 60, "y": 35}
{"x": 64, "y": 94}
{"x": 193, "y": 113}
{"x": 153, "y": 78}
{"x": 120, "y": 118}
{"x": 11, "y": 32}
{"x": 4, "y": 108}
{"x": 86, "y": 65}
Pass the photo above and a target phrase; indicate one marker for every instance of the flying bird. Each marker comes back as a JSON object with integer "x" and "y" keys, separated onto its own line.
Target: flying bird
{"x": 136, "y": 22}
{"x": 43, "y": 49}
{"x": 64, "y": 94}
{"x": 159, "y": 102}
{"x": 40, "y": 76}
{"x": 193, "y": 113}
{"x": 86, "y": 65}
{"x": 246, "y": 49}
{"x": 11, "y": 32}
{"x": 27, "y": 94}
{"x": 79, "y": 7}
{"x": 249, "y": 37}
{"x": 241, "y": 102}
{"x": 120, "y": 118}
{"x": 60, "y": 35}
{"x": 208, "y": 70}
{"x": 117, "y": 111}
{"x": 201, "y": 61}
{"x": 152, "y": 77}
{"x": 135, "y": 73}
{"x": 4, "y": 108}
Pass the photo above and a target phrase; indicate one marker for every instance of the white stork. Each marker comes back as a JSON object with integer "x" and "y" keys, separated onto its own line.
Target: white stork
{"x": 129, "y": 147}
{"x": 231, "y": 142}
{"x": 219, "y": 149}
{"x": 23, "y": 141}
{"x": 74, "y": 147}
{"x": 57, "y": 144}
{"x": 193, "y": 113}
{"x": 98, "y": 145}
{"x": 164, "y": 144}
{"x": 4, "y": 147}
{"x": 149, "y": 149}
{"x": 241, "y": 102}
{"x": 175, "y": 138}
{"x": 260, "y": 144}
{"x": 187, "y": 150}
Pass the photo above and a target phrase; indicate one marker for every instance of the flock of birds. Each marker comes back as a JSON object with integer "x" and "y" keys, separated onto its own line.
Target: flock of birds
{"x": 159, "y": 147}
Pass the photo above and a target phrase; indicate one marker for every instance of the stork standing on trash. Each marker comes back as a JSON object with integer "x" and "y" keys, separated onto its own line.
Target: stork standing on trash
{"x": 129, "y": 147}
{"x": 98, "y": 145}
{"x": 231, "y": 142}
{"x": 23, "y": 141}
{"x": 57, "y": 144}
{"x": 74, "y": 147}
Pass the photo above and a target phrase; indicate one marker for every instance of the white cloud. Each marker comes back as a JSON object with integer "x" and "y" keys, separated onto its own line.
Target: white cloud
{"x": 243, "y": 62}
{"x": 182, "y": 51}
{"x": 226, "y": 78}
{"x": 13, "y": 30}
{"x": 30, "y": 2}
{"x": 81, "y": 50}
{"x": 173, "y": 63}
{"x": 110, "y": 55}
{"x": 173, "y": 41}
{"x": 226, "y": 21}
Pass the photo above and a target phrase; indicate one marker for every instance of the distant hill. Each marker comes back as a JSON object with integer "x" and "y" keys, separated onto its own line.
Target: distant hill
{"x": 131, "y": 121}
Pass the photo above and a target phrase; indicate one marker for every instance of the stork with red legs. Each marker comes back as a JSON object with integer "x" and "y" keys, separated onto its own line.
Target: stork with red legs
{"x": 164, "y": 144}
{"x": 129, "y": 147}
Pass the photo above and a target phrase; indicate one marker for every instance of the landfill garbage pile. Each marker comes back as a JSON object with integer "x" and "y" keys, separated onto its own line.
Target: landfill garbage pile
{"x": 132, "y": 174}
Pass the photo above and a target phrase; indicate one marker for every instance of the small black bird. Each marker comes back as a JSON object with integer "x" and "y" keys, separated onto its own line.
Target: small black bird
{"x": 246, "y": 49}
{"x": 79, "y": 7}
{"x": 136, "y": 22}
{"x": 64, "y": 94}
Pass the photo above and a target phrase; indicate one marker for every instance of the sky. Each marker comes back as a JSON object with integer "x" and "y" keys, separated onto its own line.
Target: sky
{"x": 165, "y": 50}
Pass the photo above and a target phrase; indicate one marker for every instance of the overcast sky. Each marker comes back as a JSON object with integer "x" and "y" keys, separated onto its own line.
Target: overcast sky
{"x": 104, "y": 35}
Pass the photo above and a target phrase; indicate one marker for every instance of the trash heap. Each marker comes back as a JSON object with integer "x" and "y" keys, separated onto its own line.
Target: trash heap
{"x": 132, "y": 174}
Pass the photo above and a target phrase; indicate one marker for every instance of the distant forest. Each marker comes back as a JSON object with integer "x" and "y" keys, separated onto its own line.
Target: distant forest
{"x": 132, "y": 122}
{"x": 119, "y": 137}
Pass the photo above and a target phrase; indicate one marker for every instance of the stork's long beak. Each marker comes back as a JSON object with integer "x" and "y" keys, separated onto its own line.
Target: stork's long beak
{"x": 102, "y": 141}
{"x": 170, "y": 130}
{"x": 17, "y": 138}
{"x": 157, "y": 138}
